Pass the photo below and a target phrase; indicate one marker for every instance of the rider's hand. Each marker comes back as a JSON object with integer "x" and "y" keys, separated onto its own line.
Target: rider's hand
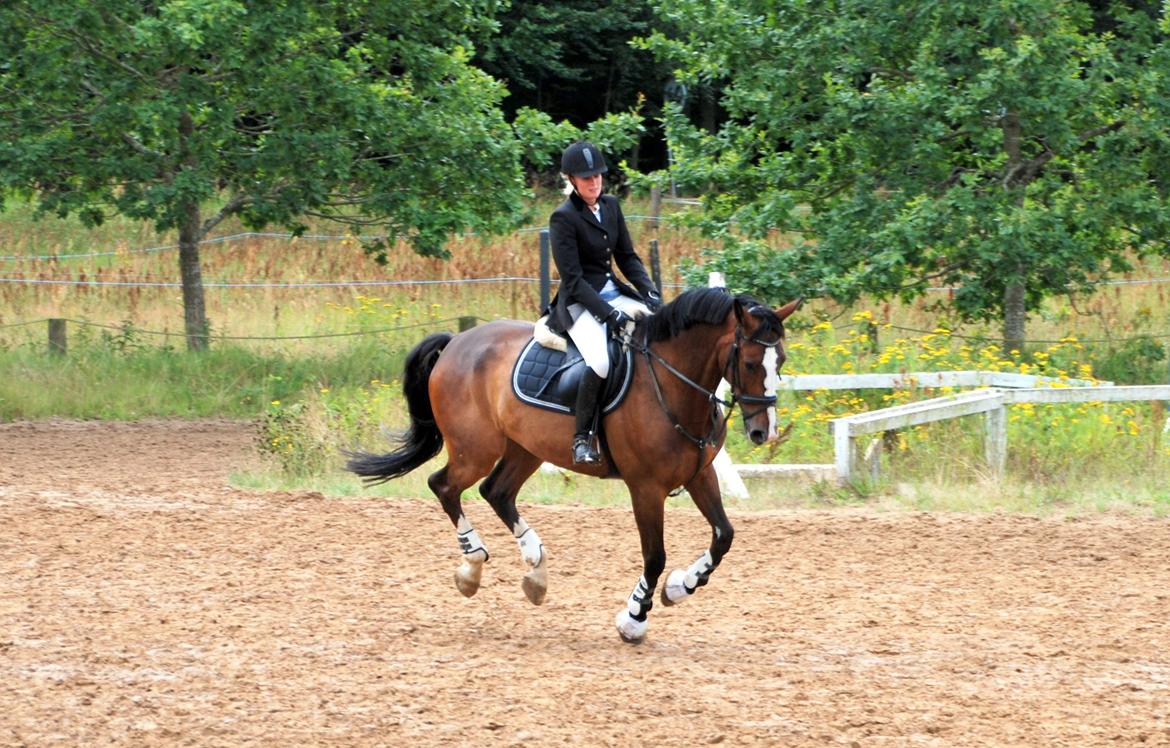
{"x": 617, "y": 319}
{"x": 653, "y": 301}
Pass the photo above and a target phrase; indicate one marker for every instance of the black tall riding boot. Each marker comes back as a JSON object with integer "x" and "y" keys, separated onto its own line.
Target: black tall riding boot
{"x": 588, "y": 394}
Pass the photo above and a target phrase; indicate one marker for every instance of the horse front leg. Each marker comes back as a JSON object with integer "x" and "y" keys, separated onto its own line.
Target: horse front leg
{"x": 648, "y": 513}
{"x": 682, "y": 583}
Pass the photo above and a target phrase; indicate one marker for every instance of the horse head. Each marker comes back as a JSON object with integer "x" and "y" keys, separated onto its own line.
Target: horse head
{"x": 753, "y": 364}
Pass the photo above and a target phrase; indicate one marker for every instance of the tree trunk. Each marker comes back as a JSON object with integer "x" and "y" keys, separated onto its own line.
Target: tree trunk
{"x": 194, "y": 309}
{"x": 1015, "y": 317}
{"x": 1015, "y": 311}
{"x": 191, "y": 233}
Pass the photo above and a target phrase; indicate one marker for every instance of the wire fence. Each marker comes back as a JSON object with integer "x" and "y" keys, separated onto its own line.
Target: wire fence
{"x": 477, "y": 320}
{"x": 272, "y": 284}
{"x": 213, "y": 336}
{"x": 392, "y": 283}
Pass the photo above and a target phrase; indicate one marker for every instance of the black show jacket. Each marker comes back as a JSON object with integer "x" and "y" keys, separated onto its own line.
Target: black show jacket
{"x": 585, "y": 252}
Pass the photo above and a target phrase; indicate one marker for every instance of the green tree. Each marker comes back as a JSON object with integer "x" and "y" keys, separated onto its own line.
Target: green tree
{"x": 186, "y": 112}
{"x": 1010, "y": 148}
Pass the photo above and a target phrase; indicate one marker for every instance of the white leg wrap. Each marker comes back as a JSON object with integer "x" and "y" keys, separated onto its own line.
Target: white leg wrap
{"x": 470, "y": 543}
{"x": 676, "y": 588}
{"x": 682, "y": 584}
{"x": 639, "y": 600}
{"x": 701, "y": 568}
{"x": 628, "y": 624}
{"x": 531, "y": 549}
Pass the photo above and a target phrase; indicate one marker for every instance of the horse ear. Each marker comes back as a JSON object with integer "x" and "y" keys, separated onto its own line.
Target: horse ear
{"x": 740, "y": 310}
{"x": 786, "y": 311}
{"x": 743, "y": 310}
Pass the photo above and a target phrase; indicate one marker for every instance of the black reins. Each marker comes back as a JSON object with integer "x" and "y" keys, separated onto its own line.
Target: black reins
{"x": 718, "y": 420}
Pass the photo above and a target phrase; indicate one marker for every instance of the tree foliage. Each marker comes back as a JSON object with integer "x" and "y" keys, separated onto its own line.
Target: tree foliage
{"x": 360, "y": 111}
{"x": 1010, "y": 148}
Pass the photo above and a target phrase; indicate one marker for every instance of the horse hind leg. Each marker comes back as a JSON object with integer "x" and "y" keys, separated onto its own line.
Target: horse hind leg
{"x": 500, "y": 489}
{"x": 471, "y": 545}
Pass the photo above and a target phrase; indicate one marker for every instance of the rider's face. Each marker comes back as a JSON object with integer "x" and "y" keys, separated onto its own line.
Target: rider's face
{"x": 589, "y": 188}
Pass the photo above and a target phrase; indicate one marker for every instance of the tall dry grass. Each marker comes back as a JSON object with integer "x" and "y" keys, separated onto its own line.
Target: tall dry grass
{"x": 45, "y": 274}
{"x": 49, "y": 275}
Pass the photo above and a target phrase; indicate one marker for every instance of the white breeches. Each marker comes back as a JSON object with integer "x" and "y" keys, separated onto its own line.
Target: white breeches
{"x": 590, "y": 337}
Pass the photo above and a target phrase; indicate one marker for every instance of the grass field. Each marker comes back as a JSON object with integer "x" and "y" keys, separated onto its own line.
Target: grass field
{"x": 308, "y": 344}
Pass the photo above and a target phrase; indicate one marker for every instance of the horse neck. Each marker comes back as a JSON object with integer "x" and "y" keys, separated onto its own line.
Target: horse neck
{"x": 680, "y": 352}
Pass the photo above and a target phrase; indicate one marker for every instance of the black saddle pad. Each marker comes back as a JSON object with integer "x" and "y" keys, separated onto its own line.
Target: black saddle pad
{"x": 548, "y": 378}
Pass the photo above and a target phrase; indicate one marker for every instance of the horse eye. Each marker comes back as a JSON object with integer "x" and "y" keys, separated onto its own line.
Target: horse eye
{"x": 751, "y": 366}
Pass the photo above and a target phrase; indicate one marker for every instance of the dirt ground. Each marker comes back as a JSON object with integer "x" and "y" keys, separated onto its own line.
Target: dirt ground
{"x": 144, "y": 601}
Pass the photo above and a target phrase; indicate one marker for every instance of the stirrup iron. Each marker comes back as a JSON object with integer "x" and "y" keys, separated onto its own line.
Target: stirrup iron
{"x": 583, "y": 451}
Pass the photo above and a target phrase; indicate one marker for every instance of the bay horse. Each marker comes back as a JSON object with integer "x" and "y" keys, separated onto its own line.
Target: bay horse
{"x": 665, "y": 433}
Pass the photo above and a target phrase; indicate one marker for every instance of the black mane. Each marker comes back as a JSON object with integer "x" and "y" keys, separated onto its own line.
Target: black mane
{"x": 708, "y": 306}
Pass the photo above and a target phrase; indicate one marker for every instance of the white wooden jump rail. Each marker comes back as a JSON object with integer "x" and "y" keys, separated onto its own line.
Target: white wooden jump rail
{"x": 731, "y": 476}
{"x": 907, "y": 380}
{"x": 990, "y": 402}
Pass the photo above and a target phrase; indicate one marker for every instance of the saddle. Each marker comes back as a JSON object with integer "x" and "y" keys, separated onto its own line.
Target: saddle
{"x": 548, "y": 378}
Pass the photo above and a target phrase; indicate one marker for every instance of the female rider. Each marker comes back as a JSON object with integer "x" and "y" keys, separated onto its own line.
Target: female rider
{"x": 589, "y": 236}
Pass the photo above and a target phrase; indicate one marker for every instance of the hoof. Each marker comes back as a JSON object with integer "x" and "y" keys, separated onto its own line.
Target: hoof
{"x": 533, "y": 590}
{"x": 467, "y": 578}
{"x": 535, "y": 584}
{"x": 675, "y": 590}
{"x": 631, "y": 631}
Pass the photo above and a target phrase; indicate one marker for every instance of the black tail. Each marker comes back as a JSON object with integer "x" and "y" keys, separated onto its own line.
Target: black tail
{"x": 422, "y": 440}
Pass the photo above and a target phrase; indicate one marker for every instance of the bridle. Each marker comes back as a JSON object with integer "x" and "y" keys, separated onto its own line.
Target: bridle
{"x": 717, "y": 419}
{"x": 764, "y": 401}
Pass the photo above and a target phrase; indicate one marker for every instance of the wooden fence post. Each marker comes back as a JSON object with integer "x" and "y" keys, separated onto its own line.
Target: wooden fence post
{"x": 58, "y": 343}
{"x": 656, "y": 267}
{"x": 870, "y": 329}
{"x": 995, "y": 440}
{"x": 545, "y": 282}
{"x": 845, "y": 450}
{"x": 655, "y": 205}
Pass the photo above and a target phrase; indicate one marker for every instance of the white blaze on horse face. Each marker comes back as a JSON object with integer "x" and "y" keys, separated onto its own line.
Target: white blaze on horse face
{"x": 771, "y": 384}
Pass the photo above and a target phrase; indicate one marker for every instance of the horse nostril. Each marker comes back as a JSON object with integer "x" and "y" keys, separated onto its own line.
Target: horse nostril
{"x": 758, "y": 436}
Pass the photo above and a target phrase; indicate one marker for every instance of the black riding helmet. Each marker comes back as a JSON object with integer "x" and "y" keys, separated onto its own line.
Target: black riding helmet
{"x": 583, "y": 160}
